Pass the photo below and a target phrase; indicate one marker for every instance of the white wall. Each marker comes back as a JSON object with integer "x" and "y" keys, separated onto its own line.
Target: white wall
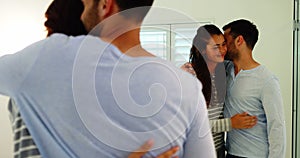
{"x": 22, "y": 23}
{"x": 274, "y": 48}
{"x": 6, "y": 137}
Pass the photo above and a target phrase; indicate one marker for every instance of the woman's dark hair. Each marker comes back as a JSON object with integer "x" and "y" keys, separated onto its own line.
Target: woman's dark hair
{"x": 200, "y": 41}
{"x": 63, "y": 16}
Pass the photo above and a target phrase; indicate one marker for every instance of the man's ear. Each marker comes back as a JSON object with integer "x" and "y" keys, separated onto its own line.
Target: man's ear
{"x": 106, "y": 8}
{"x": 239, "y": 40}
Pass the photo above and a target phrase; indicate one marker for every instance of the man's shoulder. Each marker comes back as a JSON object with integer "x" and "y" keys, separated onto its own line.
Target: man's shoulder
{"x": 62, "y": 39}
{"x": 170, "y": 76}
{"x": 165, "y": 68}
{"x": 189, "y": 85}
{"x": 53, "y": 42}
{"x": 265, "y": 73}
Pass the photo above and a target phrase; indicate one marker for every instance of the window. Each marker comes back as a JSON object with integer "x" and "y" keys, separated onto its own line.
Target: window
{"x": 156, "y": 40}
{"x": 171, "y": 41}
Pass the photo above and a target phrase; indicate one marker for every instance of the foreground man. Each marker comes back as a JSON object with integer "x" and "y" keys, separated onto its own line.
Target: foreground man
{"x": 83, "y": 97}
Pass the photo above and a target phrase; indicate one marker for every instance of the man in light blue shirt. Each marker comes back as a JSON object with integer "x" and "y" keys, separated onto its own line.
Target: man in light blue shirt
{"x": 90, "y": 97}
{"x": 252, "y": 88}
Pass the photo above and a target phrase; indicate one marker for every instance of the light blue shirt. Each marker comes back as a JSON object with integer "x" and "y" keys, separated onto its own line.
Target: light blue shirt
{"x": 81, "y": 97}
{"x": 257, "y": 92}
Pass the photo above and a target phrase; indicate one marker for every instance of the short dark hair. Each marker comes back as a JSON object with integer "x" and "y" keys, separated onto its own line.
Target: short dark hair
{"x": 138, "y": 14}
{"x": 142, "y": 7}
{"x": 63, "y": 16}
{"x": 128, "y": 4}
{"x": 245, "y": 28}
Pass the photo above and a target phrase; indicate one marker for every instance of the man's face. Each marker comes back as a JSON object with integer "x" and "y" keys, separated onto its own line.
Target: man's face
{"x": 90, "y": 16}
{"x": 232, "y": 52}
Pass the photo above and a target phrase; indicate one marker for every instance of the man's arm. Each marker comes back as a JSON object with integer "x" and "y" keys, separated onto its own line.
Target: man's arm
{"x": 14, "y": 68}
{"x": 273, "y": 106}
{"x": 199, "y": 142}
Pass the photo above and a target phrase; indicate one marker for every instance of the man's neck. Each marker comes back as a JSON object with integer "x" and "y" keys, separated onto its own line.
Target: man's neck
{"x": 129, "y": 44}
{"x": 125, "y": 35}
{"x": 244, "y": 62}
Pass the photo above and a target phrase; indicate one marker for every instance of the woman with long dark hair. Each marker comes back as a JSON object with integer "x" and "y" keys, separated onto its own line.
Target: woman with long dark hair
{"x": 207, "y": 56}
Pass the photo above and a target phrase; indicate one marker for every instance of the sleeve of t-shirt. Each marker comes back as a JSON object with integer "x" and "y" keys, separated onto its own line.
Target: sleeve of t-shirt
{"x": 273, "y": 106}
{"x": 199, "y": 141}
{"x": 15, "y": 67}
{"x": 220, "y": 125}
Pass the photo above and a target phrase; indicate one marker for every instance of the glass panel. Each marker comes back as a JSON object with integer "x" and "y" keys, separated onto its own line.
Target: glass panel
{"x": 296, "y": 97}
{"x": 297, "y": 92}
{"x": 296, "y": 85}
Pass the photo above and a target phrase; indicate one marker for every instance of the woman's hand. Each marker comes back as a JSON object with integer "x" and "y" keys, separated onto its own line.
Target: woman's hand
{"x": 147, "y": 146}
{"x": 243, "y": 120}
{"x": 188, "y": 68}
